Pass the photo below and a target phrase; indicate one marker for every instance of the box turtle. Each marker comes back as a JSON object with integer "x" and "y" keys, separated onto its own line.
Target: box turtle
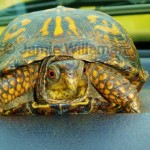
{"x": 65, "y": 60}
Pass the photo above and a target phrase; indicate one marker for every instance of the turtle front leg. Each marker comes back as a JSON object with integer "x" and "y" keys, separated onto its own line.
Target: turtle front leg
{"x": 26, "y": 105}
{"x": 20, "y": 105}
{"x": 15, "y": 87}
{"x": 114, "y": 88}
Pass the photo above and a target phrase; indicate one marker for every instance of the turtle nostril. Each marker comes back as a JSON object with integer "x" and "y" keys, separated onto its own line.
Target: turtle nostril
{"x": 72, "y": 74}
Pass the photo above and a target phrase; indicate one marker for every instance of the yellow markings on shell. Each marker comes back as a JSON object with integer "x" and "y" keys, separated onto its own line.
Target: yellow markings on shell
{"x": 39, "y": 54}
{"x": 113, "y": 30}
{"x": 21, "y": 39}
{"x": 28, "y": 53}
{"x": 116, "y": 40}
{"x": 92, "y": 18}
{"x": 83, "y": 51}
{"x": 105, "y": 22}
{"x": 106, "y": 37}
{"x": 58, "y": 29}
{"x": 9, "y": 36}
{"x": 72, "y": 25}
{"x": 25, "y": 22}
{"x": 57, "y": 52}
{"x": 44, "y": 30}
{"x": 80, "y": 52}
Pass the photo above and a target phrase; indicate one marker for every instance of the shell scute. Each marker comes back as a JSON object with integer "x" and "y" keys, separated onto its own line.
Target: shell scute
{"x": 88, "y": 35}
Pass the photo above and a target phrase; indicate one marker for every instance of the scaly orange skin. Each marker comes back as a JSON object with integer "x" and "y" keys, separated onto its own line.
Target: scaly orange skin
{"x": 114, "y": 87}
{"x": 17, "y": 82}
{"x": 117, "y": 94}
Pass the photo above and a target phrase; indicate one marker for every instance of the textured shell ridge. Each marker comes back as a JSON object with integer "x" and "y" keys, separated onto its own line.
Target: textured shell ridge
{"x": 66, "y": 31}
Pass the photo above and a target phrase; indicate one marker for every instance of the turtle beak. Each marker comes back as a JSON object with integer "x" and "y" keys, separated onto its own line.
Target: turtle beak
{"x": 72, "y": 80}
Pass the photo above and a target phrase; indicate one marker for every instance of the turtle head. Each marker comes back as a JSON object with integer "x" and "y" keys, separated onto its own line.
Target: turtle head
{"x": 63, "y": 80}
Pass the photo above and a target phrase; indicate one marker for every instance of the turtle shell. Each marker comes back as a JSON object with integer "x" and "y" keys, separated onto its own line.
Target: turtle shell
{"x": 87, "y": 35}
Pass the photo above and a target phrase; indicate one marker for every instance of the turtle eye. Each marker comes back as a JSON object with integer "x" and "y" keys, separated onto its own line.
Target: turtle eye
{"x": 51, "y": 74}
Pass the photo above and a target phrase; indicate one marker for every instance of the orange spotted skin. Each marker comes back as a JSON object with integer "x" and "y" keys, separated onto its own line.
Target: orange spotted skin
{"x": 17, "y": 82}
{"x": 112, "y": 65}
{"x": 113, "y": 86}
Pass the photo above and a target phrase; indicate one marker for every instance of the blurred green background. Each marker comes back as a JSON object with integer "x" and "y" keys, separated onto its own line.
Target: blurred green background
{"x": 134, "y": 15}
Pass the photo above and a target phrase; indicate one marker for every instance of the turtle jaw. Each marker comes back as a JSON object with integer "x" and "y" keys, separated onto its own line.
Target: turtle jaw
{"x": 69, "y": 89}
